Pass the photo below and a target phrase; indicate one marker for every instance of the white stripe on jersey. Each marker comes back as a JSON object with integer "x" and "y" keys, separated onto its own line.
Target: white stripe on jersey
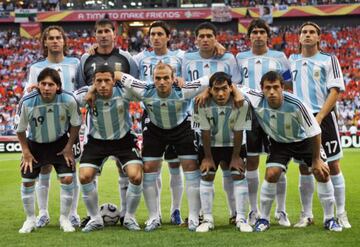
{"x": 194, "y": 66}
{"x": 47, "y": 122}
{"x": 170, "y": 112}
{"x": 314, "y": 76}
{"x": 147, "y": 61}
{"x": 253, "y": 67}
{"x": 67, "y": 70}
{"x": 223, "y": 120}
{"x": 110, "y": 118}
{"x": 292, "y": 122}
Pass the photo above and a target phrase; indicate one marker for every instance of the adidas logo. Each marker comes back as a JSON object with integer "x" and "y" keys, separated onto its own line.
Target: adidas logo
{"x": 273, "y": 116}
{"x": 163, "y": 104}
{"x": 304, "y": 64}
{"x": 50, "y": 110}
{"x": 258, "y": 62}
{"x": 206, "y": 66}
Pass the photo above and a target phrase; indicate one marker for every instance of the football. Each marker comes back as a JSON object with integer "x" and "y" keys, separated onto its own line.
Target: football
{"x": 110, "y": 214}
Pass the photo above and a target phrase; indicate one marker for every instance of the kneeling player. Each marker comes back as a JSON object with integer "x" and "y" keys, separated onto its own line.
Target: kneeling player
{"x": 47, "y": 114}
{"x": 109, "y": 126}
{"x": 294, "y": 133}
{"x": 222, "y": 128}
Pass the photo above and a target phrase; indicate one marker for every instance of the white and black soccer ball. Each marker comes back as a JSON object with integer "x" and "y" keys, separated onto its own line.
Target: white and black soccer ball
{"x": 110, "y": 214}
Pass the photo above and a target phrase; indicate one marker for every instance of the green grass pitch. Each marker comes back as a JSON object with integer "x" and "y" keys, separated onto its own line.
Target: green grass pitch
{"x": 12, "y": 215}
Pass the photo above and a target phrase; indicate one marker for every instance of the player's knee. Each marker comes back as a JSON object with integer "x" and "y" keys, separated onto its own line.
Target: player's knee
{"x": 85, "y": 178}
{"x": 272, "y": 174}
{"x": 208, "y": 177}
{"x": 304, "y": 170}
{"x": 334, "y": 167}
{"x": 46, "y": 169}
{"x": 66, "y": 180}
{"x": 321, "y": 177}
{"x": 136, "y": 178}
{"x": 28, "y": 184}
{"x": 252, "y": 163}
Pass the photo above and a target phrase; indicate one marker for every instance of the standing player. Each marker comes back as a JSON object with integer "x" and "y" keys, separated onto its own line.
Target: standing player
{"x": 48, "y": 114}
{"x": 159, "y": 33}
{"x": 253, "y": 64}
{"x": 53, "y": 42}
{"x": 109, "y": 134}
{"x": 204, "y": 62}
{"x": 293, "y": 133}
{"x": 168, "y": 110}
{"x": 222, "y": 128}
{"x": 118, "y": 60}
{"x": 318, "y": 80}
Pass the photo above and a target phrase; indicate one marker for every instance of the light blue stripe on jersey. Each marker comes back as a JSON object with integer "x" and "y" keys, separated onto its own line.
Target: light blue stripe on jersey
{"x": 57, "y": 123}
{"x": 225, "y": 128}
{"x": 253, "y": 67}
{"x": 215, "y": 128}
{"x": 314, "y": 78}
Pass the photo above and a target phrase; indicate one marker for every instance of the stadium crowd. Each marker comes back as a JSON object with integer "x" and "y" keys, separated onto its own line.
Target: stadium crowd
{"x": 16, "y": 55}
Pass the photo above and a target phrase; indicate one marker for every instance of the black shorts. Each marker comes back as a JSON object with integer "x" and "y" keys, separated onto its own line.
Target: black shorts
{"x": 280, "y": 154}
{"x": 330, "y": 138}
{"x": 257, "y": 141}
{"x": 155, "y": 141}
{"x": 97, "y": 151}
{"x": 45, "y": 154}
{"x": 221, "y": 154}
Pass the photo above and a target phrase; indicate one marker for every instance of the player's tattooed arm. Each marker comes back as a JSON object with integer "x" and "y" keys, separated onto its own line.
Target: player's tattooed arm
{"x": 67, "y": 152}
{"x": 27, "y": 157}
{"x": 237, "y": 164}
{"x": 207, "y": 164}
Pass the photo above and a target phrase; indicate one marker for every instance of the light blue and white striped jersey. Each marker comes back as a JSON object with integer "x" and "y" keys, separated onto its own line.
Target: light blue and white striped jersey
{"x": 194, "y": 66}
{"x": 109, "y": 119}
{"x": 223, "y": 120}
{"x": 314, "y": 76}
{"x": 292, "y": 122}
{"x": 47, "y": 122}
{"x": 67, "y": 70}
{"x": 170, "y": 112}
{"x": 147, "y": 60}
{"x": 252, "y": 67}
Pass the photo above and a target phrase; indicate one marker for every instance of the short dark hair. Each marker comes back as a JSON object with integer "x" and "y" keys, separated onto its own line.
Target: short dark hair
{"x": 53, "y": 74}
{"x": 220, "y": 77}
{"x": 103, "y": 68}
{"x": 103, "y": 22}
{"x": 206, "y": 25}
{"x": 44, "y": 37}
{"x": 258, "y": 23}
{"x": 271, "y": 76}
{"x": 161, "y": 24}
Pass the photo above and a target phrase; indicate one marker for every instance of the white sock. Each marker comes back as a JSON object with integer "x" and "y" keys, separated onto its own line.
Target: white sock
{"x": 253, "y": 184}
{"x": 241, "y": 192}
{"x": 281, "y": 193}
{"x": 228, "y": 185}
{"x": 66, "y": 198}
{"x": 158, "y": 188}
{"x": 327, "y": 199}
{"x": 176, "y": 187}
{"x": 133, "y": 196}
{"x": 90, "y": 197}
{"x": 306, "y": 189}
{"x": 75, "y": 201}
{"x": 193, "y": 194}
{"x": 123, "y": 188}
{"x": 151, "y": 194}
{"x": 28, "y": 199}
{"x": 339, "y": 192}
{"x": 207, "y": 198}
{"x": 267, "y": 196}
{"x": 42, "y": 193}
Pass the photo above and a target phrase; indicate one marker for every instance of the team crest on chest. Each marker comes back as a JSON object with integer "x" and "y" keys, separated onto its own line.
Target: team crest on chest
{"x": 317, "y": 74}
